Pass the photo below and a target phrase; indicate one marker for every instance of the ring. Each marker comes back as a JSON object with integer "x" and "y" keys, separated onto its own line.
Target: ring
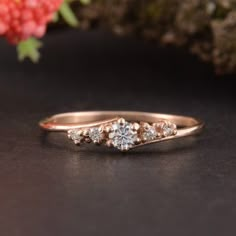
{"x": 123, "y": 130}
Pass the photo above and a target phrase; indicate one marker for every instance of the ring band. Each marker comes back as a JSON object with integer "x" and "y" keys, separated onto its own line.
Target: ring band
{"x": 123, "y": 130}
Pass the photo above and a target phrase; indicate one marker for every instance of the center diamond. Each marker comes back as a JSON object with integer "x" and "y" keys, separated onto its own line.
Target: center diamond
{"x": 123, "y": 136}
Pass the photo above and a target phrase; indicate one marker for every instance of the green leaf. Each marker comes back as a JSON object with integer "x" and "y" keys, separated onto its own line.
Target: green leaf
{"x": 29, "y": 49}
{"x": 68, "y": 15}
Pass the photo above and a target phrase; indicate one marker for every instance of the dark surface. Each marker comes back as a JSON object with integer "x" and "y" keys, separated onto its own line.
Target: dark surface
{"x": 48, "y": 187}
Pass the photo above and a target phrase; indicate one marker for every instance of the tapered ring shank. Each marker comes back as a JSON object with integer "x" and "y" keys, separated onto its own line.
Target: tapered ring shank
{"x": 66, "y": 121}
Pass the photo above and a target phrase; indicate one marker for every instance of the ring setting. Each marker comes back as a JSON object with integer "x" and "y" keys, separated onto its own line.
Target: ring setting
{"x": 123, "y": 130}
{"x": 122, "y": 134}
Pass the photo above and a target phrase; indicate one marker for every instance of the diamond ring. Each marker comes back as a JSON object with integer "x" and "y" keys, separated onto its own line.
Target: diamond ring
{"x": 123, "y": 130}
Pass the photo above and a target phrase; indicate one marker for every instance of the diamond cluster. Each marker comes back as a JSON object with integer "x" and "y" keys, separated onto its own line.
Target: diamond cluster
{"x": 122, "y": 134}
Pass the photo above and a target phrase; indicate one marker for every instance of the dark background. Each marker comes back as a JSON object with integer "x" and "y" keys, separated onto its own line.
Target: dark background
{"x": 50, "y": 187}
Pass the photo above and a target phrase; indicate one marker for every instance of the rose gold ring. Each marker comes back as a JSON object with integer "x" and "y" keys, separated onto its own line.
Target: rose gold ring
{"x": 123, "y": 130}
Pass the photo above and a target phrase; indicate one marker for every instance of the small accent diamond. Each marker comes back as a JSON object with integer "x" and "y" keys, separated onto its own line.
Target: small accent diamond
{"x": 75, "y": 135}
{"x": 96, "y": 135}
{"x": 149, "y": 133}
{"x": 168, "y": 129}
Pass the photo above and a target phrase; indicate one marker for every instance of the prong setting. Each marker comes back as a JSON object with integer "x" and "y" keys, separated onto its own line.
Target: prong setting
{"x": 96, "y": 135}
{"x": 123, "y": 134}
{"x": 108, "y": 129}
{"x": 121, "y": 121}
{"x": 136, "y": 126}
{"x": 109, "y": 143}
{"x": 149, "y": 132}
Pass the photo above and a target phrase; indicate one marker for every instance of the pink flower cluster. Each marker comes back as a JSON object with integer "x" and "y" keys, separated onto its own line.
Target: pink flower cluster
{"x": 21, "y": 19}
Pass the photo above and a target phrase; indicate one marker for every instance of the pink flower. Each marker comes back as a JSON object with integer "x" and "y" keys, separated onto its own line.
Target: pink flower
{"x": 21, "y": 19}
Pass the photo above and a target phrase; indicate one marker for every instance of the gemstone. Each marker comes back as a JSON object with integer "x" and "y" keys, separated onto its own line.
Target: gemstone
{"x": 168, "y": 130}
{"x": 149, "y": 133}
{"x": 123, "y": 136}
{"x": 96, "y": 135}
{"x": 75, "y": 135}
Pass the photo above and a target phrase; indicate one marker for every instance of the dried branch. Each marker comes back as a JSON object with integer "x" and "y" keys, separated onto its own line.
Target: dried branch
{"x": 206, "y": 27}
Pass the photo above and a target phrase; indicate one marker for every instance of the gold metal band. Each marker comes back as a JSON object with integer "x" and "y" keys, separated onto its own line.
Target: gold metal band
{"x": 122, "y": 129}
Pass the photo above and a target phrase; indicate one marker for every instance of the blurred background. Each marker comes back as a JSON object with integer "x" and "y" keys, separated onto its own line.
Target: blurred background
{"x": 165, "y": 56}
